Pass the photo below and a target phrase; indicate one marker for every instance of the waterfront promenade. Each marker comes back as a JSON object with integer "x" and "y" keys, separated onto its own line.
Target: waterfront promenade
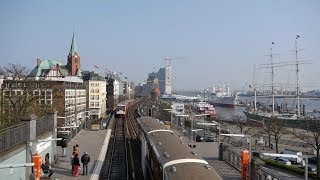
{"x": 89, "y": 141}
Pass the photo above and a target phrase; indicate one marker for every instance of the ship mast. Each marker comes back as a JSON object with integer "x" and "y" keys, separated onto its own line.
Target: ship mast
{"x": 297, "y": 75}
{"x": 272, "y": 79}
{"x": 254, "y": 88}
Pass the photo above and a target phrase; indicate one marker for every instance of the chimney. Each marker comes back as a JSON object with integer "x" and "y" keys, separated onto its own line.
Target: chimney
{"x": 38, "y": 62}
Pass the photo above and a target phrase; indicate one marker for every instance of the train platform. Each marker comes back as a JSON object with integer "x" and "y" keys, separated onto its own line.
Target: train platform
{"x": 92, "y": 142}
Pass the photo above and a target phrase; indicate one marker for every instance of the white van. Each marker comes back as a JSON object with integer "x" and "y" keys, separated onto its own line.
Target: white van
{"x": 293, "y": 152}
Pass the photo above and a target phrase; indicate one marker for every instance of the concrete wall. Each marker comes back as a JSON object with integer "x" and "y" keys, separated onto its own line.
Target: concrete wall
{"x": 14, "y": 157}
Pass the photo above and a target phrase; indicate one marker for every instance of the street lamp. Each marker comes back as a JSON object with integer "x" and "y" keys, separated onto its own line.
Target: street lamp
{"x": 242, "y": 136}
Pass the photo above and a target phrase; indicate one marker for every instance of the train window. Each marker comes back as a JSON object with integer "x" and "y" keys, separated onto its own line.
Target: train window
{"x": 120, "y": 108}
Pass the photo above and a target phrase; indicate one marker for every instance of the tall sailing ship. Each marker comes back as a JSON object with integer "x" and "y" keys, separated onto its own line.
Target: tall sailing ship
{"x": 292, "y": 118}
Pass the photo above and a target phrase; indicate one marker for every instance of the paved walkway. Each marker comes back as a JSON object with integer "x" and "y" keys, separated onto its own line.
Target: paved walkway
{"x": 88, "y": 141}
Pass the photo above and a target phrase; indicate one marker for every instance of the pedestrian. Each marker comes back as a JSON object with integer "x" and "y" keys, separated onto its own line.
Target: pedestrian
{"x": 71, "y": 159}
{"x": 76, "y": 165}
{"x": 64, "y": 146}
{"x": 85, "y": 159}
{"x": 76, "y": 149}
{"x": 46, "y": 169}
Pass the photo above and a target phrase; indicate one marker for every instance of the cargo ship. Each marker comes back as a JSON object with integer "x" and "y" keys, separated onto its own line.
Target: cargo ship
{"x": 221, "y": 96}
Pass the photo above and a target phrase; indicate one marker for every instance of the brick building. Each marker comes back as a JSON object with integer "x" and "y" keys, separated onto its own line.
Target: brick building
{"x": 53, "y": 84}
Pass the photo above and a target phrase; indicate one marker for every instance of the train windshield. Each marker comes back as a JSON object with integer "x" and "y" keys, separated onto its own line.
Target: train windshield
{"x": 120, "y": 108}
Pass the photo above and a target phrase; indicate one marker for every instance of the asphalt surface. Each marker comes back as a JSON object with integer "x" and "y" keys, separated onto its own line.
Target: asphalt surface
{"x": 88, "y": 141}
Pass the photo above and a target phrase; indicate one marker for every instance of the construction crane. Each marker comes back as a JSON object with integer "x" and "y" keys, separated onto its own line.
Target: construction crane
{"x": 168, "y": 60}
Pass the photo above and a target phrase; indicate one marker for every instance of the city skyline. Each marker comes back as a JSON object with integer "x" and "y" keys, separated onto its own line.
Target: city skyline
{"x": 218, "y": 41}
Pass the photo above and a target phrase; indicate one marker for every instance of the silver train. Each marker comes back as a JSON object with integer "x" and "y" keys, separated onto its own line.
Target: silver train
{"x": 164, "y": 156}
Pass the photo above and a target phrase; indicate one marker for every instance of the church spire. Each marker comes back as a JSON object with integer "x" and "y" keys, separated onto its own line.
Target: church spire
{"x": 73, "y": 48}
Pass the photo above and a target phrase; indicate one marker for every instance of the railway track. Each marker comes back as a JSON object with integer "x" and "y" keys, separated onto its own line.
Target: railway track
{"x": 133, "y": 142}
{"x": 116, "y": 163}
{"x": 123, "y": 158}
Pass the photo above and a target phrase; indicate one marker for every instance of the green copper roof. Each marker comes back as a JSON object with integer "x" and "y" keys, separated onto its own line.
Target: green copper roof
{"x": 73, "y": 48}
{"x": 45, "y": 66}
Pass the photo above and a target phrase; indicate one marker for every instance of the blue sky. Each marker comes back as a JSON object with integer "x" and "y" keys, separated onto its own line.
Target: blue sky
{"x": 219, "y": 40}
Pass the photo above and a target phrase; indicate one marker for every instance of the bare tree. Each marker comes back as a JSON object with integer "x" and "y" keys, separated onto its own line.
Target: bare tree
{"x": 267, "y": 129}
{"x": 2, "y": 72}
{"x": 15, "y": 71}
{"x": 21, "y": 96}
{"x": 241, "y": 123}
{"x": 277, "y": 129}
{"x": 310, "y": 135}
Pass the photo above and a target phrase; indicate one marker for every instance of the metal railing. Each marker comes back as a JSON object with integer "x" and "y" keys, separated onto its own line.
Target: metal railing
{"x": 232, "y": 158}
{"x": 44, "y": 124}
{"x": 13, "y": 136}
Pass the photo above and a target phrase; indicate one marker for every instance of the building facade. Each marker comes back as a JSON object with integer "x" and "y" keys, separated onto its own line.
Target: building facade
{"x": 68, "y": 89}
{"x": 96, "y": 94}
{"x": 164, "y": 79}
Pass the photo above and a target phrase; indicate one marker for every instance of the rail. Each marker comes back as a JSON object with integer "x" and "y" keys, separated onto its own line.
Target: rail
{"x": 44, "y": 124}
{"x": 118, "y": 167}
{"x": 13, "y": 136}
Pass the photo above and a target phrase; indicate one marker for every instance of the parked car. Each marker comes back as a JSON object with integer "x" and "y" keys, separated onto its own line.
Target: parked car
{"x": 210, "y": 139}
{"x": 284, "y": 161}
{"x": 257, "y": 154}
{"x": 312, "y": 169}
{"x": 293, "y": 152}
{"x": 312, "y": 160}
{"x": 199, "y": 138}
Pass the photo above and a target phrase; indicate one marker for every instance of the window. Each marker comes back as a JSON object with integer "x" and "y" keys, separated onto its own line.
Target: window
{"x": 96, "y": 104}
{"x": 91, "y": 97}
{"x": 97, "y": 90}
{"x": 91, "y": 104}
{"x": 97, "y": 97}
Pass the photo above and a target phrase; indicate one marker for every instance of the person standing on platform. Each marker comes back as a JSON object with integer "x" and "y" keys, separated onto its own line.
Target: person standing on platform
{"x": 76, "y": 165}
{"x": 85, "y": 159}
{"x": 71, "y": 158}
{"x": 64, "y": 146}
{"x": 76, "y": 149}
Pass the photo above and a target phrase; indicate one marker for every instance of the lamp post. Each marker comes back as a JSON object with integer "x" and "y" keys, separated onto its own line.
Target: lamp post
{"x": 242, "y": 136}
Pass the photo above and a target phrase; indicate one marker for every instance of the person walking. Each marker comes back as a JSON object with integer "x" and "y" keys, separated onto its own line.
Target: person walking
{"x": 76, "y": 165}
{"x": 85, "y": 159}
{"x": 64, "y": 146}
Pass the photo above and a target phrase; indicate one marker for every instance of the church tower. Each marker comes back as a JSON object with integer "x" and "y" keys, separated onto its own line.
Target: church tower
{"x": 73, "y": 59}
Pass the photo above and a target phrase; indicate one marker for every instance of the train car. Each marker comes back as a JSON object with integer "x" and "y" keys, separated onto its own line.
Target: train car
{"x": 121, "y": 109}
{"x": 164, "y": 155}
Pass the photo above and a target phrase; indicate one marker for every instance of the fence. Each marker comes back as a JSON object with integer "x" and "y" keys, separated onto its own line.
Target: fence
{"x": 232, "y": 157}
{"x": 44, "y": 124}
{"x": 13, "y": 136}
